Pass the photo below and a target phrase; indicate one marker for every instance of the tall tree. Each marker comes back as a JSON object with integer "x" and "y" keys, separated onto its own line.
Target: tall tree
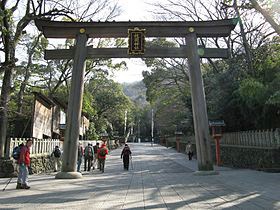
{"x": 268, "y": 17}
{"x": 11, "y": 33}
{"x": 109, "y": 102}
{"x": 32, "y": 47}
{"x": 168, "y": 90}
{"x": 15, "y": 16}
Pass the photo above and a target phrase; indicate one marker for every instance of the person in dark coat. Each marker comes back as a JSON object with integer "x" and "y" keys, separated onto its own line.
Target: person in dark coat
{"x": 88, "y": 156}
{"x": 126, "y": 153}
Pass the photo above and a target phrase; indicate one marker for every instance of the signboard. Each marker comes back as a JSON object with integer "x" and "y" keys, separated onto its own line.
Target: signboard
{"x": 216, "y": 123}
{"x": 136, "y": 41}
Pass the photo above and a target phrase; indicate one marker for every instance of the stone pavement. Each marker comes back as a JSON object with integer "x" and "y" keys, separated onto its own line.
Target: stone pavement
{"x": 160, "y": 178}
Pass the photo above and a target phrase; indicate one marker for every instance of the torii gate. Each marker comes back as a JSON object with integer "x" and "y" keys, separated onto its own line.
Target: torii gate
{"x": 81, "y": 31}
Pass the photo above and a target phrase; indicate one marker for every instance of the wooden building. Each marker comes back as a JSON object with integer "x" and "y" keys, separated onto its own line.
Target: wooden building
{"x": 46, "y": 120}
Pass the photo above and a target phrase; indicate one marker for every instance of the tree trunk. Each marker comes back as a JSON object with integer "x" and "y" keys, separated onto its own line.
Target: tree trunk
{"x": 266, "y": 15}
{"x": 4, "y": 100}
{"x": 244, "y": 39}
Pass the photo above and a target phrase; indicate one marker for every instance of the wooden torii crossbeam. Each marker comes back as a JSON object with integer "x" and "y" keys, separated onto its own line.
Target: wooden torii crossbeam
{"x": 59, "y": 29}
{"x": 81, "y": 31}
{"x": 152, "y": 52}
{"x": 56, "y": 29}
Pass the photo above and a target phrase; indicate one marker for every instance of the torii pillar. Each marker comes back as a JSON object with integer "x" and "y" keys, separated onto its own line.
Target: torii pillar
{"x": 200, "y": 119}
{"x": 70, "y": 152}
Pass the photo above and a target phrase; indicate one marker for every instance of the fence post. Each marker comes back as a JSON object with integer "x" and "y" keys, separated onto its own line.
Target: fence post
{"x": 256, "y": 140}
{"x": 267, "y": 140}
{"x": 10, "y": 148}
{"x": 46, "y": 146}
{"x": 277, "y": 137}
{"x": 246, "y": 138}
{"x": 250, "y": 138}
{"x": 271, "y": 138}
{"x": 238, "y": 135}
{"x": 37, "y": 146}
{"x": 263, "y": 138}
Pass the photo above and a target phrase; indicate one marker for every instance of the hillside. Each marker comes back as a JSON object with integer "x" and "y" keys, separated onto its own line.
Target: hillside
{"x": 136, "y": 91}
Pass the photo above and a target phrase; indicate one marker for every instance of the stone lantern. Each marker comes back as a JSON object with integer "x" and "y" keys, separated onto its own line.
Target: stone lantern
{"x": 216, "y": 127}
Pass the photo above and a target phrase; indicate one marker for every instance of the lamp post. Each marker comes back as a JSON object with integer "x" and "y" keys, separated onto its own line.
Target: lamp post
{"x": 152, "y": 129}
{"x": 125, "y": 120}
{"x": 139, "y": 139}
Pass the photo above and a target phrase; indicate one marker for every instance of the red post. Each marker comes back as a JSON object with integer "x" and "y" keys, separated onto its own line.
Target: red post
{"x": 218, "y": 157}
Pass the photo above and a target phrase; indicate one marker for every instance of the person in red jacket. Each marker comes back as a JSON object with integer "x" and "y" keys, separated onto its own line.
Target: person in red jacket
{"x": 101, "y": 153}
{"x": 24, "y": 163}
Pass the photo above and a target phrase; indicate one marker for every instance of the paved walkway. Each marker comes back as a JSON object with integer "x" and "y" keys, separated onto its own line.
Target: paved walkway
{"x": 160, "y": 179}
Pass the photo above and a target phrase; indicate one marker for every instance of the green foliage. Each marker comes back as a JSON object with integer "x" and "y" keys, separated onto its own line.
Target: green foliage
{"x": 91, "y": 133}
{"x": 87, "y": 106}
{"x": 243, "y": 100}
{"x": 168, "y": 91}
{"x": 252, "y": 92}
{"x": 109, "y": 104}
{"x": 274, "y": 99}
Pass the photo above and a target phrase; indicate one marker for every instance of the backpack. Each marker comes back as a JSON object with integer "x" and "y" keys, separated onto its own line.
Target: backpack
{"x": 16, "y": 151}
{"x": 102, "y": 152}
{"x": 89, "y": 151}
{"x": 126, "y": 152}
{"x": 57, "y": 152}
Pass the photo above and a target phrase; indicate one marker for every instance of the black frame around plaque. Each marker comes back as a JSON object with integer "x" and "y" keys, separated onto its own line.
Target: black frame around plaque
{"x": 131, "y": 45}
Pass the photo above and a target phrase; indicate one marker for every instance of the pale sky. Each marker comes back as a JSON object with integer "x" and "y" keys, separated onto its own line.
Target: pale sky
{"x": 134, "y": 10}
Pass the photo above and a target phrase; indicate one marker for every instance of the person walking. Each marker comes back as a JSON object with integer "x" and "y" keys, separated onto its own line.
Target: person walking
{"x": 80, "y": 157}
{"x": 95, "y": 158}
{"x": 125, "y": 155}
{"x": 56, "y": 154}
{"x": 189, "y": 150}
{"x": 24, "y": 163}
{"x": 88, "y": 155}
{"x": 102, "y": 152}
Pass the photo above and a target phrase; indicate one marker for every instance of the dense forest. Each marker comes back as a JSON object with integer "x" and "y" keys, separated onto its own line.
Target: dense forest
{"x": 243, "y": 90}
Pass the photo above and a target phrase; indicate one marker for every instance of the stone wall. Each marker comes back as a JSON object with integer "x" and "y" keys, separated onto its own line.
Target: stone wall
{"x": 39, "y": 164}
{"x": 241, "y": 156}
{"x": 246, "y": 157}
{"x": 7, "y": 168}
{"x": 42, "y": 164}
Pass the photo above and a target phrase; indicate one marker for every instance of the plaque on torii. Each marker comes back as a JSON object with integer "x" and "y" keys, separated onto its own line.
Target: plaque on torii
{"x": 81, "y": 31}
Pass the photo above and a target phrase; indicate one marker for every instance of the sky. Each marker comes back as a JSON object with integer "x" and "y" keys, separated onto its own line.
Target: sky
{"x": 134, "y": 10}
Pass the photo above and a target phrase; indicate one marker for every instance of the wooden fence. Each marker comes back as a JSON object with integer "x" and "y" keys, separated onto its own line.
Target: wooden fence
{"x": 42, "y": 146}
{"x": 257, "y": 138}
{"x": 39, "y": 147}
{"x": 269, "y": 139}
